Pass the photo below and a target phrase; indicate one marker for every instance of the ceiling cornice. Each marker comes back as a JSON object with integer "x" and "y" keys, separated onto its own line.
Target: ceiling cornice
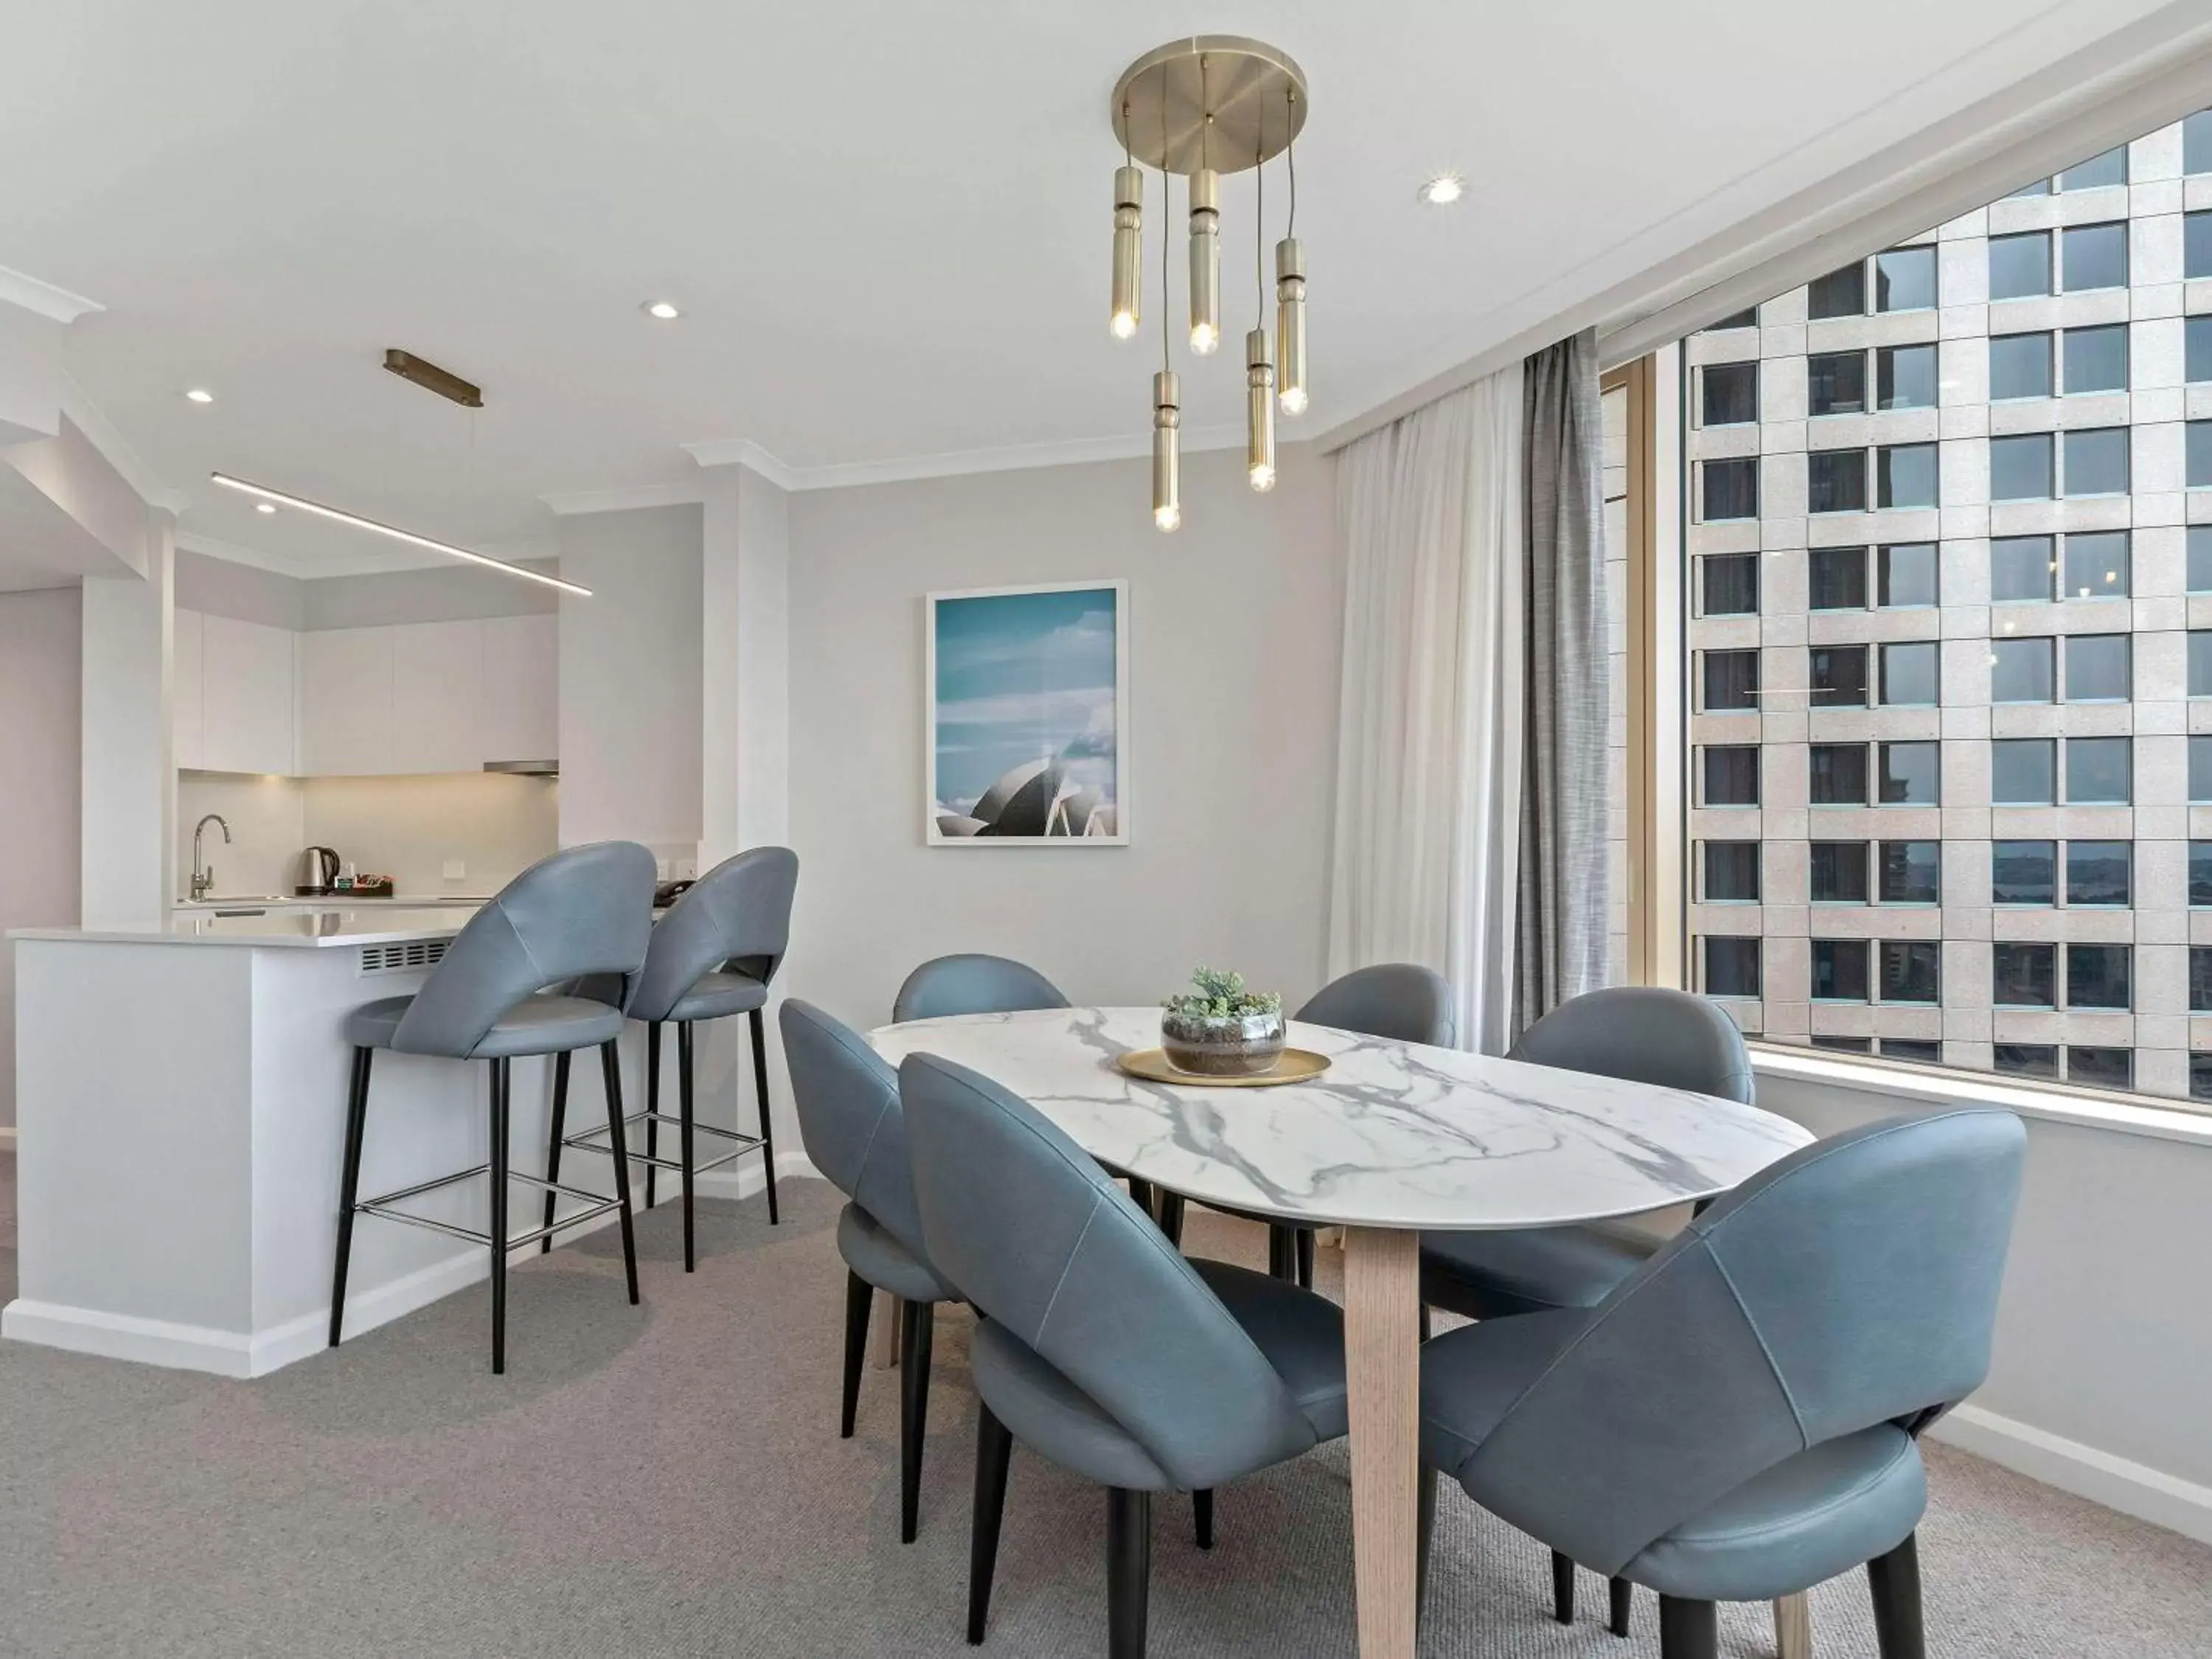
{"x": 44, "y": 298}
{"x": 1010, "y": 457}
{"x": 744, "y": 452}
{"x": 569, "y": 502}
{"x": 208, "y": 546}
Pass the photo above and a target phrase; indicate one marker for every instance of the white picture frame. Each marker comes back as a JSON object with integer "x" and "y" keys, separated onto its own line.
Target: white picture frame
{"x": 1021, "y": 746}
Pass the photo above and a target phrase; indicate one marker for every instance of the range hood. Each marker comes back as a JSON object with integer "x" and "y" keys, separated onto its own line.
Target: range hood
{"x": 526, "y": 769}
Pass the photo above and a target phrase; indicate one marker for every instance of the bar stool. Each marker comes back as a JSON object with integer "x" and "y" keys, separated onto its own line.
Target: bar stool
{"x": 583, "y": 912}
{"x": 712, "y": 955}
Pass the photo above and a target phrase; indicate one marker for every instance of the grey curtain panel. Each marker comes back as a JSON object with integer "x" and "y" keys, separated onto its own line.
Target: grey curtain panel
{"x": 1561, "y": 908}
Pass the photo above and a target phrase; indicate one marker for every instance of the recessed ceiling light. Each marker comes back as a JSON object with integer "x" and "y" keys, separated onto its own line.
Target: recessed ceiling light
{"x": 200, "y": 395}
{"x": 265, "y": 506}
{"x": 662, "y": 310}
{"x": 1443, "y": 190}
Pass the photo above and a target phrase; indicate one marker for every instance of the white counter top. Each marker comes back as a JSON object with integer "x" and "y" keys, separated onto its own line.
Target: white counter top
{"x": 337, "y": 902}
{"x": 372, "y": 923}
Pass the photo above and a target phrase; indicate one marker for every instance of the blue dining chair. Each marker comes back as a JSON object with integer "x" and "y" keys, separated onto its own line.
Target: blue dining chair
{"x": 972, "y": 983}
{"x": 1100, "y": 1346}
{"x": 1738, "y": 1419}
{"x": 850, "y": 1118}
{"x": 1644, "y": 1034}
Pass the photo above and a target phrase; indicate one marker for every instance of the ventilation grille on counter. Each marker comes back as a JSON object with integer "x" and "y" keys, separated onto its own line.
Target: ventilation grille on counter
{"x": 399, "y": 958}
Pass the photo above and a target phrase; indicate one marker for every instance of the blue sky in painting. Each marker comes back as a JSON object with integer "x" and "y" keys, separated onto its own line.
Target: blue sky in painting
{"x": 1021, "y": 676}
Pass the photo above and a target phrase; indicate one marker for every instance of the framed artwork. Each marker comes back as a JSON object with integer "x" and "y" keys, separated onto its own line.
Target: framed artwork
{"x": 1028, "y": 716}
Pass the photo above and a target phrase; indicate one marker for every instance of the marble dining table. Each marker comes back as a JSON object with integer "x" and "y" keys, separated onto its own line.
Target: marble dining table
{"x": 1393, "y": 1139}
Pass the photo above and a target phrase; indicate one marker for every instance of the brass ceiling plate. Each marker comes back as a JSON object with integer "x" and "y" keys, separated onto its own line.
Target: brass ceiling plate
{"x": 1254, "y": 95}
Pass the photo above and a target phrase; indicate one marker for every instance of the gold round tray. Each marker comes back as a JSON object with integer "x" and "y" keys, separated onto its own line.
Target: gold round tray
{"x": 1296, "y": 1065}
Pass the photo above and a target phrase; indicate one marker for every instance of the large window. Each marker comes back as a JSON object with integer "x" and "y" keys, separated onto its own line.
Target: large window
{"x": 1969, "y": 820}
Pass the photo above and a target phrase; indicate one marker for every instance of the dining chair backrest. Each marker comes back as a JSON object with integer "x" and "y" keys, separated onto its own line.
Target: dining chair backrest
{"x": 1853, "y": 1282}
{"x": 1644, "y": 1034}
{"x": 1400, "y": 1000}
{"x": 585, "y": 911}
{"x": 1037, "y": 1238}
{"x": 972, "y": 983}
{"x": 849, "y": 1116}
{"x": 737, "y": 916}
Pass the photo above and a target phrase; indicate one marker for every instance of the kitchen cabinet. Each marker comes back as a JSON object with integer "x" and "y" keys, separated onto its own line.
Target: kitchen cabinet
{"x": 437, "y": 698}
{"x": 345, "y": 701}
{"x": 187, "y": 723}
{"x": 521, "y": 702}
{"x": 247, "y": 699}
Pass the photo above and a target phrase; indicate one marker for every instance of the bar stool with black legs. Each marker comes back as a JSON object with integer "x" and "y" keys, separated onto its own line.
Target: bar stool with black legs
{"x": 499, "y": 992}
{"x": 712, "y": 956}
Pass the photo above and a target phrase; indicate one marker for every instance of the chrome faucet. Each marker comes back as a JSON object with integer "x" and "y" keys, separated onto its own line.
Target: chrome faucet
{"x": 203, "y": 877}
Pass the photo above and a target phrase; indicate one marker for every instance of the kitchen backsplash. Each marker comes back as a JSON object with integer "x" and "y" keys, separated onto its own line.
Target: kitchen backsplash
{"x": 408, "y": 828}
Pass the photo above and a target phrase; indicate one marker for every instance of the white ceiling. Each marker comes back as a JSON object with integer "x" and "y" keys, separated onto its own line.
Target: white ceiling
{"x": 887, "y": 223}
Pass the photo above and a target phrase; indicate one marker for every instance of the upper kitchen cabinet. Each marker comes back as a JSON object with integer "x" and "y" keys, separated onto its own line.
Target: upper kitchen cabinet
{"x": 246, "y": 701}
{"x": 437, "y": 698}
{"x": 521, "y": 700}
{"x": 188, "y": 722}
{"x": 345, "y": 701}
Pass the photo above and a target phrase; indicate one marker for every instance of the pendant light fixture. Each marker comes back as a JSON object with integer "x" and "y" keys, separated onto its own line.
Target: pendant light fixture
{"x": 1291, "y": 292}
{"x": 1128, "y": 239}
{"x": 1167, "y": 409}
{"x": 1193, "y": 107}
{"x": 1259, "y": 366}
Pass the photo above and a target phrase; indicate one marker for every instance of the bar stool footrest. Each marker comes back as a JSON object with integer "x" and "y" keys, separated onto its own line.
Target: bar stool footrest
{"x": 384, "y": 1205}
{"x": 595, "y": 1141}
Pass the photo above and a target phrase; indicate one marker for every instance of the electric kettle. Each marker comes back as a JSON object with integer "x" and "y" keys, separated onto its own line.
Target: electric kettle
{"x": 319, "y": 873}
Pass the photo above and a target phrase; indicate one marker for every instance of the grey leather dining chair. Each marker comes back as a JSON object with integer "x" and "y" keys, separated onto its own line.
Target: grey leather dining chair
{"x": 711, "y": 958}
{"x": 1738, "y": 1419}
{"x": 1645, "y": 1033}
{"x": 1399, "y": 1001}
{"x": 973, "y": 983}
{"x": 855, "y": 1134}
{"x": 500, "y": 991}
{"x": 1098, "y": 1345}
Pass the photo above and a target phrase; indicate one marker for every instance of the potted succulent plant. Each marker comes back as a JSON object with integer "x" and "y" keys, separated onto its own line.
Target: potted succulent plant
{"x": 1218, "y": 1028}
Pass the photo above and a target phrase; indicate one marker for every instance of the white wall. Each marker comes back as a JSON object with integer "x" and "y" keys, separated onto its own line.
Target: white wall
{"x": 1234, "y": 640}
{"x": 2103, "y": 1342}
{"x": 128, "y": 786}
{"x": 267, "y": 818}
{"x": 631, "y": 679}
{"x": 40, "y": 690}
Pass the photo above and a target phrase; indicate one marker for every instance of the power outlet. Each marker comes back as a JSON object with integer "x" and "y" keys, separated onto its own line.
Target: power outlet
{"x": 455, "y": 869}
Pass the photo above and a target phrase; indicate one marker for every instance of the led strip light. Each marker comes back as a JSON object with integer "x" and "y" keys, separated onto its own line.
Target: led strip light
{"x": 398, "y": 535}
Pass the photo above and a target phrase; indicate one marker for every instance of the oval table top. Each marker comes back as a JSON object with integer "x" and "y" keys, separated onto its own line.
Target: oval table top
{"x": 1393, "y": 1135}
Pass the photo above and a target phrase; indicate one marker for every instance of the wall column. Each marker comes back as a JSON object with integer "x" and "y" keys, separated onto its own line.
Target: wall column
{"x": 130, "y": 780}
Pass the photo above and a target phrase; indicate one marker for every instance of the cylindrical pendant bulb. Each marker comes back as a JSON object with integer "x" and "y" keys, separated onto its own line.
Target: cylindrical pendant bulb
{"x": 1205, "y": 260}
{"x": 1167, "y": 449}
{"x": 1128, "y": 249}
{"x": 1291, "y": 325}
{"x": 1259, "y": 411}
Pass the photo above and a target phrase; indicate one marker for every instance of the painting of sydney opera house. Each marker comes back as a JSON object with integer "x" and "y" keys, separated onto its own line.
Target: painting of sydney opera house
{"x": 1027, "y": 706}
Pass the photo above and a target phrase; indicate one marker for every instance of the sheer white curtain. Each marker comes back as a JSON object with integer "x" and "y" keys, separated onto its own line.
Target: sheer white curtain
{"x": 1430, "y": 724}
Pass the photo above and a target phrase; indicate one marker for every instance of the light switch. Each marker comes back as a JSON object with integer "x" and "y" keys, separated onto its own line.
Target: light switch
{"x": 455, "y": 869}
{"x": 661, "y": 869}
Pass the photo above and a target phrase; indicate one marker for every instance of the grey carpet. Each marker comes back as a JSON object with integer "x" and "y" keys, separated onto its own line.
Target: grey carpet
{"x": 667, "y": 1480}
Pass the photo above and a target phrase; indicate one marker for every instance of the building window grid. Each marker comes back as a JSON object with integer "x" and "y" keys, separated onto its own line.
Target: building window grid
{"x": 2095, "y": 768}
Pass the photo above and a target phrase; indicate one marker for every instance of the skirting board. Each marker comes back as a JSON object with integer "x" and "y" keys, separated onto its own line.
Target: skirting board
{"x": 235, "y": 1353}
{"x": 2118, "y": 1483}
{"x": 8, "y": 1138}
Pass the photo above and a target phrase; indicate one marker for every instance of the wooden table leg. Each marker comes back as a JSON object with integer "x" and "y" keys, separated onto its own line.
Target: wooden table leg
{"x": 1382, "y": 1367}
{"x": 887, "y": 1333}
{"x": 1793, "y": 1627}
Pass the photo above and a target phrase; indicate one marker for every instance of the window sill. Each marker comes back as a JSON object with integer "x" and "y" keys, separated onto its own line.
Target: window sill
{"x": 2136, "y": 1115}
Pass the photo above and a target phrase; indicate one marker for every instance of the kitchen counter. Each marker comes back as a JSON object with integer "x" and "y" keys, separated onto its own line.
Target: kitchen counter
{"x": 319, "y": 928}
{"x": 336, "y": 901}
{"x": 180, "y": 1116}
